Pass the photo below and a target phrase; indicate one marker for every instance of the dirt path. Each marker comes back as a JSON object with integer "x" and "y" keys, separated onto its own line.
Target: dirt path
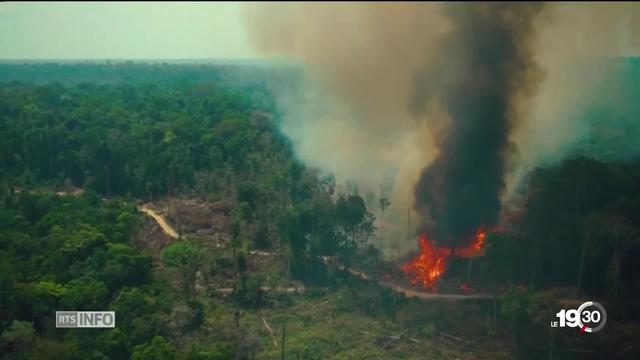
{"x": 433, "y": 296}
{"x": 412, "y": 292}
{"x": 408, "y": 292}
{"x": 166, "y": 228}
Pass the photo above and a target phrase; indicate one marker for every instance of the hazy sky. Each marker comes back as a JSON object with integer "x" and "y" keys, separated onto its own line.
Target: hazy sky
{"x": 76, "y": 30}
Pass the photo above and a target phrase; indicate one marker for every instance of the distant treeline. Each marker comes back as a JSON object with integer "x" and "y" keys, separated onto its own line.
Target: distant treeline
{"x": 237, "y": 74}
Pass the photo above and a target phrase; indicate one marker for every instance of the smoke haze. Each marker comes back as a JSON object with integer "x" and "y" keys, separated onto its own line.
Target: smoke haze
{"x": 572, "y": 42}
{"x": 406, "y": 94}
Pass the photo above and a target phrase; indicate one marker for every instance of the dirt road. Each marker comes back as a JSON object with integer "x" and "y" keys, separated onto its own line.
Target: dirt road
{"x": 434, "y": 296}
{"x": 166, "y": 228}
{"x": 413, "y": 292}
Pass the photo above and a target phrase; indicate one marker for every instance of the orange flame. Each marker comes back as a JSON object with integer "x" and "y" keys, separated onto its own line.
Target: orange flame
{"x": 431, "y": 263}
{"x": 476, "y": 248}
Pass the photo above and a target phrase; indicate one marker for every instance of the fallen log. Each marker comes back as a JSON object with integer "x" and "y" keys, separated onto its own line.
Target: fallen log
{"x": 266, "y": 325}
{"x": 452, "y": 337}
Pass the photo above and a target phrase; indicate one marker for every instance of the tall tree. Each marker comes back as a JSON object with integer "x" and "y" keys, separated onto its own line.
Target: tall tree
{"x": 384, "y": 204}
{"x": 187, "y": 259}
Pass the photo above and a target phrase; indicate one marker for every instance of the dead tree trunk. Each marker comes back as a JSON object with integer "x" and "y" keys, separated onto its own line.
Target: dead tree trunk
{"x": 284, "y": 331}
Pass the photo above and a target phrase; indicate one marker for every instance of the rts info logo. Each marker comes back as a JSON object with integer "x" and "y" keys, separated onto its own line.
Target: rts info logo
{"x": 85, "y": 319}
{"x": 589, "y": 317}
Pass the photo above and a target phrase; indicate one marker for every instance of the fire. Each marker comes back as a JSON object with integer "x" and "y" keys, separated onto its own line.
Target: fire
{"x": 476, "y": 248}
{"x": 431, "y": 263}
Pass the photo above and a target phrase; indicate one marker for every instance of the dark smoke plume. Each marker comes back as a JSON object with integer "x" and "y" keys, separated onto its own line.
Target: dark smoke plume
{"x": 486, "y": 65}
{"x": 480, "y": 86}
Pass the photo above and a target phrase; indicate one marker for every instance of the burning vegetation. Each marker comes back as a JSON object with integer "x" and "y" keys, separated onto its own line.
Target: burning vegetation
{"x": 428, "y": 266}
{"x": 459, "y": 191}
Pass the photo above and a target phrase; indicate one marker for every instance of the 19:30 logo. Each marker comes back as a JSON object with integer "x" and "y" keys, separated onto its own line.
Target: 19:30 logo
{"x": 589, "y": 317}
